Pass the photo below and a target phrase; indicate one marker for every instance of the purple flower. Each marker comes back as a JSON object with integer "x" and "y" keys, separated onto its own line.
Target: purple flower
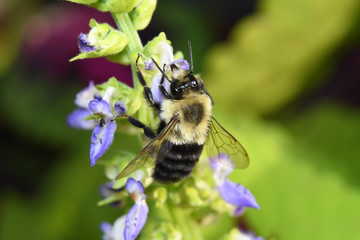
{"x": 113, "y": 232}
{"x": 86, "y": 95}
{"x": 76, "y": 118}
{"x": 84, "y": 44}
{"x": 245, "y": 235}
{"x": 101, "y": 108}
{"x": 249, "y": 235}
{"x": 119, "y": 108}
{"x": 155, "y": 90}
{"x": 237, "y": 194}
{"x": 106, "y": 191}
{"x": 107, "y": 230}
{"x": 180, "y": 64}
{"x": 101, "y": 139}
{"x": 136, "y": 217}
{"x": 231, "y": 192}
{"x": 149, "y": 65}
{"x": 103, "y": 134}
{"x": 222, "y": 166}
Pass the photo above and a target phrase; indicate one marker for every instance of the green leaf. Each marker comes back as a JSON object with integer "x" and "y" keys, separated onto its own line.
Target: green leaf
{"x": 142, "y": 14}
{"x": 121, "y": 6}
{"x": 274, "y": 55}
{"x": 86, "y": 2}
{"x": 100, "y": 5}
{"x": 121, "y": 57}
{"x": 297, "y": 200}
{"x": 331, "y": 132}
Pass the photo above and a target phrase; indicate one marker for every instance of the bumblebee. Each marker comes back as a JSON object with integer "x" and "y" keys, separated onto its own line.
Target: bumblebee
{"x": 186, "y": 126}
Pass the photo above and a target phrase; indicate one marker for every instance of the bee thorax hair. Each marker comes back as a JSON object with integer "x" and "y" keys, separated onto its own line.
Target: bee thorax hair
{"x": 194, "y": 114}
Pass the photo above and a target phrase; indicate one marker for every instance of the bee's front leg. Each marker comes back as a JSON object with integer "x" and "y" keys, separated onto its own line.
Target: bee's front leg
{"x": 162, "y": 88}
{"x": 147, "y": 91}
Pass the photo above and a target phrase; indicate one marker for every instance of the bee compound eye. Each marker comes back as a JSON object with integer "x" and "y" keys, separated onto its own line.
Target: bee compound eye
{"x": 178, "y": 90}
{"x": 175, "y": 89}
{"x": 194, "y": 84}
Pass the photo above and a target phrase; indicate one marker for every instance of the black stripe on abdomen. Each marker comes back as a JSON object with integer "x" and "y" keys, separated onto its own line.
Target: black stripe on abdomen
{"x": 175, "y": 162}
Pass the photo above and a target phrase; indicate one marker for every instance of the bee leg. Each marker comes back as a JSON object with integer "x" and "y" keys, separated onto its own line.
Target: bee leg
{"x": 162, "y": 88}
{"x": 148, "y": 132}
{"x": 147, "y": 91}
{"x": 164, "y": 92}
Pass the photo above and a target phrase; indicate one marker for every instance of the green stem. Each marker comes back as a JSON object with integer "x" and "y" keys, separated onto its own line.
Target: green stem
{"x": 124, "y": 23}
{"x": 185, "y": 223}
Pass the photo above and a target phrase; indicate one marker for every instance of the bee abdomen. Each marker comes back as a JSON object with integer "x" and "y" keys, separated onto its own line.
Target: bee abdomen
{"x": 176, "y": 162}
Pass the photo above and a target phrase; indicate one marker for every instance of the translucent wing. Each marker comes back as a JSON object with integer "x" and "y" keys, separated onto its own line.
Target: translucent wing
{"x": 221, "y": 141}
{"x": 147, "y": 157}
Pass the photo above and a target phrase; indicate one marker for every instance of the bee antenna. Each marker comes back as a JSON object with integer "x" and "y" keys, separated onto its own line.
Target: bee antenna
{"x": 191, "y": 58}
{"x": 162, "y": 72}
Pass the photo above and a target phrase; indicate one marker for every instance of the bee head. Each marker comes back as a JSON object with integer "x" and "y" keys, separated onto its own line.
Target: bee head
{"x": 186, "y": 85}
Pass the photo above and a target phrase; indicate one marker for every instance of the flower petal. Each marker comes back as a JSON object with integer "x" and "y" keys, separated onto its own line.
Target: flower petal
{"x": 107, "y": 230}
{"x": 84, "y": 44}
{"x": 86, "y": 95}
{"x": 222, "y": 166}
{"x": 180, "y": 63}
{"x": 101, "y": 139}
{"x": 165, "y": 52}
{"x": 119, "y": 227}
{"x": 135, "y": 220}
{"x": 119, "y": 108}
{"x": 237, "y": 195}
{"x": 106, "y": 190}
{"x": 155, "y": 90}
{"x": 76, "y": 119}
{"x": 133, "y": 186}
{"x": 221, "y": 161}
{"x": 101, "y": 108}
{"x": 149, "y": 65}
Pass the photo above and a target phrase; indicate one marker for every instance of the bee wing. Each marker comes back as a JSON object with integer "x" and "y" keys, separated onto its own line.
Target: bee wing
{"x": 221, "y": 141}
{"x": 147, "y": 157}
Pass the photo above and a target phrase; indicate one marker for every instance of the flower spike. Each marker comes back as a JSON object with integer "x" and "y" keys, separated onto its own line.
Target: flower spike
{"x": 136, "y": 217}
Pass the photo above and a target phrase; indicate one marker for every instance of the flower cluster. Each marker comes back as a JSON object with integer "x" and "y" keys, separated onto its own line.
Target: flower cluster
{"x": 103, "y": 109}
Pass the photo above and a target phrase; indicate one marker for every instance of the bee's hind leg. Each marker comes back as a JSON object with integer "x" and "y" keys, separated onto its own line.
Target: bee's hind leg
{"x": 148, "y": 132}
{"x": 147, "y": 91}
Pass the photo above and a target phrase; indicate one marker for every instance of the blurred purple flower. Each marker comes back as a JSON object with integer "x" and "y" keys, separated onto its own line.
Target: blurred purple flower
{"x": 238, "y": 195}
{"x": 231, "y": 192}
{"x": 249, "y": 235}
{"x": 119, "y": 108}
{"x": 113, "y": 232}
{"x": 106, "y": 191}
{"x": 76, "y": 118}
{"x": 136, "y": 217}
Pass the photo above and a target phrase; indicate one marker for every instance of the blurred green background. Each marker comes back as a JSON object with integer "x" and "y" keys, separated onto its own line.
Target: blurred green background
{"x": 284, "y": 76}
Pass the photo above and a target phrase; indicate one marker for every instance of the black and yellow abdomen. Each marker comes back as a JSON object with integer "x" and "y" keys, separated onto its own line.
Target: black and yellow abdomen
{"x": 175, "y": 162}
